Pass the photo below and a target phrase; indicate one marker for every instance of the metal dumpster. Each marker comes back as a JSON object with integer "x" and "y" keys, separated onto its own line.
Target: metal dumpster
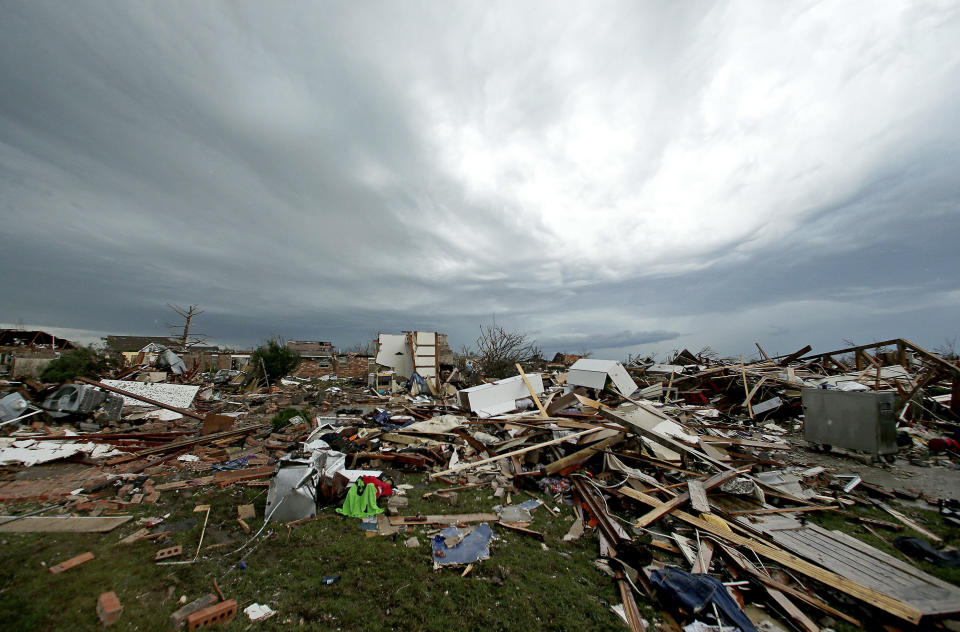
{"x": 855, "y": 420}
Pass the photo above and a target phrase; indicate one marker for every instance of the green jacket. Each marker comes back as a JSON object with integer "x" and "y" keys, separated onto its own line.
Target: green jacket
{"x": 361, "y": 501}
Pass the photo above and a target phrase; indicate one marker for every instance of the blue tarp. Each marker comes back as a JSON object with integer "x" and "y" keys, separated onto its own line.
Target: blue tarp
{"x": 696, "y": 591}
{"x": 472, "y": 548}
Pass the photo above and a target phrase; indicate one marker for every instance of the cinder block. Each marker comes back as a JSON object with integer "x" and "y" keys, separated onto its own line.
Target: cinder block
{"x": 172, "y": 551}
{"x": 73, "y": 561}
{"x": 109, "y": 608}
{"x": 218, "y": 613}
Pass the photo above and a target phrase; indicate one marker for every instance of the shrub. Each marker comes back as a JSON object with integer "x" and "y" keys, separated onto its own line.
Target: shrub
{"x": 277, "y": 358}
{"x": 282, "y": 418}
{"x": 81, "y": 362}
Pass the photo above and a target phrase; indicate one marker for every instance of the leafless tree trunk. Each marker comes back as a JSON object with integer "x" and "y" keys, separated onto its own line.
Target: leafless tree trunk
{"x": 187, "y": 313}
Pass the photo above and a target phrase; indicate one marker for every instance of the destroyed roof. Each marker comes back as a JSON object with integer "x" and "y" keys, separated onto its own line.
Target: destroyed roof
{"x": 131, "y": 344}
{"x": 311, "y": 348}
{"x": 565, "y": 358}
{"x": 22, "y": 338}
{"x": 136, "y": 343}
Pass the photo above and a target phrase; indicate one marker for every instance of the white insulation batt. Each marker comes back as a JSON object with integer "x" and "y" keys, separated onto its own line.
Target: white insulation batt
{"x": 30, "y": 452}
{"x": 178, "y": 395}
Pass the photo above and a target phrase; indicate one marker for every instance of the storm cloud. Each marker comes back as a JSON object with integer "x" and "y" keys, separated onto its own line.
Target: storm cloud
{"x": 624, "y": 177}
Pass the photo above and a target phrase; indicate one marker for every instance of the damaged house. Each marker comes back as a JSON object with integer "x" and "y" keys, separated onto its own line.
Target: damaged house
{"x": 422, "y": 353}
{"x": 27, "y": 353}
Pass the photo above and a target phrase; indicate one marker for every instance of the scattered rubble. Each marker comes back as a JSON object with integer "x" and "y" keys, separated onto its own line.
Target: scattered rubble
{"x": 695, "y": 475}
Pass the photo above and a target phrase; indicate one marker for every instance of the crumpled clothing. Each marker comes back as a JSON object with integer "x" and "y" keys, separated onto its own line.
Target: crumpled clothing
{"x": 383, "y": 488}
{"x": 942, "y": 444}
{"x": 235, "y": 464}
{"x": 361, "y": 501}
{"x": 696, "y": 591}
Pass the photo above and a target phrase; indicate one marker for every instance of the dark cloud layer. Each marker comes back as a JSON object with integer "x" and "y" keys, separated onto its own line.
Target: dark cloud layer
{"x": 636, "y": 179}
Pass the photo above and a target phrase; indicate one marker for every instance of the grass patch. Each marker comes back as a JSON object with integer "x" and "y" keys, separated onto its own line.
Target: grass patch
{"x": 383, "y": 585}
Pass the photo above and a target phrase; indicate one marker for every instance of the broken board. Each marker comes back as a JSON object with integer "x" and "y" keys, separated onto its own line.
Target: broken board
{"x": 864, "y": 564}
{"x": 64, "y": 524}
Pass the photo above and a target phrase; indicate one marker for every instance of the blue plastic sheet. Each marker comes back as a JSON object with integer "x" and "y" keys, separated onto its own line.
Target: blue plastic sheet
{"x": 473, "y": 547}
{"x": 695, "y": 592}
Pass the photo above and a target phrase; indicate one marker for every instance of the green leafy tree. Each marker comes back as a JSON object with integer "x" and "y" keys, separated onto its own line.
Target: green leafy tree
{"x": 276, "y": 358}
{"x": 81, "y": 362}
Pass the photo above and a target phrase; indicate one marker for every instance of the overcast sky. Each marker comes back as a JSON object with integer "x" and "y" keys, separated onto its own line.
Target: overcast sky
{"x": 621, "y": 177}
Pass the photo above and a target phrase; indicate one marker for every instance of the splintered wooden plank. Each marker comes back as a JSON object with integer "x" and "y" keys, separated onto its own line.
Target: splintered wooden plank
{"x": 581, "y": 455}
{"x": 738, "y": 559}
{"x": 466, "y": 466}
{"x": 778, "y": 596}
{"x": 73, "y": 561}
{"x": 704, "y": 557}
{"x": 904, "y": 610}
{"x": 62, "y": 524}
{"x": 533, "y": 394}
{"x": 698, "y": 496}
{"x": 673, "y": 503}
{"x": 909, "y": 523}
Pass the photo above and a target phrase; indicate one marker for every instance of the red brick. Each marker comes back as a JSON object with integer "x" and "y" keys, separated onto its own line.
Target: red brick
{"x": 73, "y": 561}
{"x": 109, "y": 608}
{"x": 218, "y": 613}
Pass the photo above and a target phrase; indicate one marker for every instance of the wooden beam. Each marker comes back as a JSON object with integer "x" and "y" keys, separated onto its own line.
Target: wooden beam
{"x": 536, "y": 400}
{"x": 466, "y": 466}
{"x": 870, "y": 596}
{"x": 753, "y": 391}
{"x": 782, "y": 510}
{"x": 802, "y": 596}
{"x": 634, "y": 621}
{"x": 907, "y": 521}
{"x": 795, "y": 355}
{"x": 746, "y": 387}
{"x": 581, "y": 455}
{"x": 673, "y": 503}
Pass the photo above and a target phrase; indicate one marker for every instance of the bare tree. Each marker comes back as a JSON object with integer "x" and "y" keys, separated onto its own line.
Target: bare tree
{"x": 187, "y": 339}
{"x": 947, "y": 350}
{"x": 363, "y": 348}
{"x": 707, "y": 355}
{"x": 499, "y": 350}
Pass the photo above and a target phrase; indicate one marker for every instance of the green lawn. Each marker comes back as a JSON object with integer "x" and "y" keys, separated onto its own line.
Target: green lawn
{"x": 383, "y": 585}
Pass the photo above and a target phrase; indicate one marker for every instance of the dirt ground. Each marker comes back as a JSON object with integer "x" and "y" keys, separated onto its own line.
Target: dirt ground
{"x": 934, "y": 481}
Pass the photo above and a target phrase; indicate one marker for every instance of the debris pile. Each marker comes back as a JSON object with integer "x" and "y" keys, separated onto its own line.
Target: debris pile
{"x": 699, "y": 478}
